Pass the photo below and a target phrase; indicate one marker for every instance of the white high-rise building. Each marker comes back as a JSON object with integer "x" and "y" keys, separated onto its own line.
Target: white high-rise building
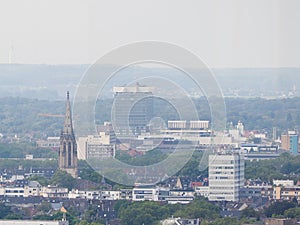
{"x": 226, "y": 177}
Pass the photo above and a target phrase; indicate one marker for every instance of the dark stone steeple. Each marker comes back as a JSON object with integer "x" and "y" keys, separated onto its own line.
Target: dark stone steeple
{"x": 68, "y": 148}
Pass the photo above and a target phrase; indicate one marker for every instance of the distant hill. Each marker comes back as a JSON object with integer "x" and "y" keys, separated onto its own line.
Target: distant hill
{"x": 259, "y": 82}
{"x": 52, "y": 81}
{"x": 39, "y": 81}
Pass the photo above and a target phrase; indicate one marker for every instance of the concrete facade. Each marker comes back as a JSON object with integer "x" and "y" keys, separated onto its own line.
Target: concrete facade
{"x": 226, "y": 177}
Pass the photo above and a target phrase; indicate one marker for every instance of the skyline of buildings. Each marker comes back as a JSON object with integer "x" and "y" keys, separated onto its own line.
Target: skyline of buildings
{"x": 226, "y": 171}
{"x": 225, "y": 182}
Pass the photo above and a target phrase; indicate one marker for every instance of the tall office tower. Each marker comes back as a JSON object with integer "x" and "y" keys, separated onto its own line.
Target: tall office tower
{"x": 226, "y": 177}
{"x": 68, "y": 148}
{"x": 132, "y": 110}
{"x": 293, "y": 142}
{"x": 290, "y": 141}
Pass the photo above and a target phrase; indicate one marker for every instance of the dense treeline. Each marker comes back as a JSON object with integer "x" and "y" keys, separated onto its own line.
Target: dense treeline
{"x": 12, "y": 164}
{"x": 148, "y": 213}
{"x": 63, "y": 179}
{"x": 266, "y": 171}
{"x": 265, "y": 114}
{"x": 151, "y": 213}
{"x": 149, "y": 158}
{"x": 284, "y": 167}
{"x": 22, "y": 116}
{"x": 20, "y": 150}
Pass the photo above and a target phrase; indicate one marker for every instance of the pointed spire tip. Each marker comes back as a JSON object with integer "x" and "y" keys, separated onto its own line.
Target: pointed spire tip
{"x": 68, "y": 95}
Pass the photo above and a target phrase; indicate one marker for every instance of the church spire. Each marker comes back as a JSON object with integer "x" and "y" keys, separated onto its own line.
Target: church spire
{"x": 68, "y": 147}
{"x": 68, "y": 126}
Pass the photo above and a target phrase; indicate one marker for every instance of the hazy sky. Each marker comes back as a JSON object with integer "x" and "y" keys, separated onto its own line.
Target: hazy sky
{"x": 250, "y": 33}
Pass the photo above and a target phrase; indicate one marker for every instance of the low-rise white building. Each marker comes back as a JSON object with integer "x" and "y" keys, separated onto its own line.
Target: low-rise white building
{"x": 12, "y": 191}
{"x": 179, "y": 196}
{"x": 284, "y": 183}
{"x": 54, "y": 192}
{"x": 32, "y": 189}
{"x": 202, "y": 191}
{"x": 126, "y": 194}
{"x": 95, "y": 147}
{"x": 111, "y": 195}
{"x": 153, "y": 193}
{"x": 51, "y": 142}
{"x": 178, "y": 221}
{"x": 145, "y": 192}
{"x": 84, "y": 194}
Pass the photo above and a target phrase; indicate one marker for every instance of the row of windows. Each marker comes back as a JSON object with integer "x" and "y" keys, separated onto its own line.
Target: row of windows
{"x": 221, "y": 167}
{"x": 222, "y": 172}
{"x": 287, "y": 192}
{"x": 142, "y": 192}
{"x": 14, "y": 191}
{"x": 221, "y": 188}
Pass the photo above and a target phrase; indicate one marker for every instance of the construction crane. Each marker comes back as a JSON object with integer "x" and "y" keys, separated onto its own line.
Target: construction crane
{"x": 54, "y": 115}
{"x": 51, "y": 115}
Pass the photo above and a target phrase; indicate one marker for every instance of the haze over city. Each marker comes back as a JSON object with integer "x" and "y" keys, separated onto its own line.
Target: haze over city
{"x": 149, "y": 112}
{"x": 223, "y": 34}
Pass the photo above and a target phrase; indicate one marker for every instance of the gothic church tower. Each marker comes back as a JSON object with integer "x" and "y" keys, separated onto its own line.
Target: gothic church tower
{"x": 68, "y": 148}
